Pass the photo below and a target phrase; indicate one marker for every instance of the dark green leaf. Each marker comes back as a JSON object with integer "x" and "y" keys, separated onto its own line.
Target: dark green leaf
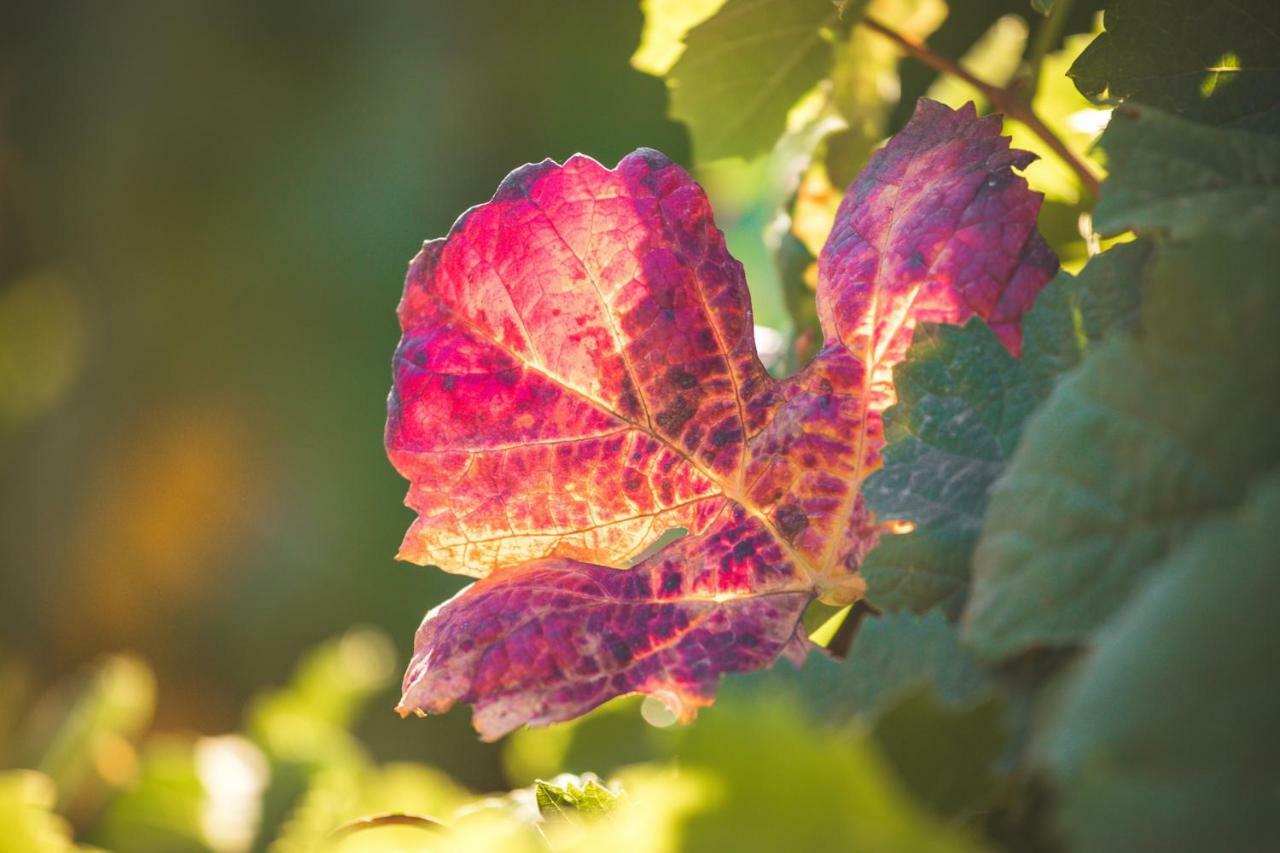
{"x": 1178, "y": 177}
{"x": 892, "y": 656}
{"x": 946, "y": 756}
{"x": 1167, "y": 739}
{"x": 962, "y": 403}
{"x": 1131, "y": 450}
{"x": 1215, "y": 61}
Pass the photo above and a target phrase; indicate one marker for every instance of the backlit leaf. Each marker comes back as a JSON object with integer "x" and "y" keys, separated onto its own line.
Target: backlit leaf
{"x": 744, "y": 68}
{"x": 564, "y": 797}
{"x": 578, "y": 374}
{"x": 666, "y": 22}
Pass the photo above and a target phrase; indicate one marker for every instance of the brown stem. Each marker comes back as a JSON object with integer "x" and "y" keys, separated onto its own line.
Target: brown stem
{"x": 1003, "y": 99}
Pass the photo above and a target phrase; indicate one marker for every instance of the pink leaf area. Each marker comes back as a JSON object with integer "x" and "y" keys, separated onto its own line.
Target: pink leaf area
{"x": 578, "y": 375}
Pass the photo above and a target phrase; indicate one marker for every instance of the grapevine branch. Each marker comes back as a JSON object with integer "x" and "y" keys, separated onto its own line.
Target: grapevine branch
{"x": 1004, "y": 99}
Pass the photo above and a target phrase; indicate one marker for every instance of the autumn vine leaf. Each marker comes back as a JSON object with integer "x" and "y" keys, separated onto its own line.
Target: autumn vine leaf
{"x": 577, "y": 375}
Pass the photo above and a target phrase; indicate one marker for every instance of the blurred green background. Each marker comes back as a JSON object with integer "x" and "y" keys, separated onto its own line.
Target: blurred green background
{"x": 206, "y": 212}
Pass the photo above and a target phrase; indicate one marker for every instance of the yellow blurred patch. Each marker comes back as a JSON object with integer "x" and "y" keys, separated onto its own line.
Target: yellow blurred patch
{"x": 41, "y": 345}
{"x": 165, "y": 501}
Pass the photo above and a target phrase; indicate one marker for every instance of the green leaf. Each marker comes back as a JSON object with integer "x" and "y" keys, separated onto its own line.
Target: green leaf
{"x": 962, "y": 403}
{"x": 27, "y": 821}
{"x": 893, "y": 655}
{"x": 962, "y": 400}
{"x": 1044, "y": 7}
{"x": 744, "y": 68}
{"x": 1177, "y": 177}
{"x": 946, "y": 756}
{"x": 563, "y": 797}
{"x": 1152, "y": 432}
{"x": 1215, "y": 61}
{"x": 782, "y": 785}
{"x": 666, "y": 22}
{"x": 1166, "y": 739}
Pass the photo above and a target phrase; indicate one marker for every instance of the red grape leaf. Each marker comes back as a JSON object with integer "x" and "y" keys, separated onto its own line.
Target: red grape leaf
{"x": 577, "y": 374}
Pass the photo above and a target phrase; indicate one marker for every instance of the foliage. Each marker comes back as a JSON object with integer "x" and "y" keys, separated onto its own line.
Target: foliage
{"x": 1069, "y": 537}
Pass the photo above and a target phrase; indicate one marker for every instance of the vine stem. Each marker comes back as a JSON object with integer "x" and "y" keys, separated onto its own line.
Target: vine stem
{"x": 1006, "y": 100}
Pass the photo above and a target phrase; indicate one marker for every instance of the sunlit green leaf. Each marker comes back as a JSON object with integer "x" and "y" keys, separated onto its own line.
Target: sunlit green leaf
{"x": 744, "y": 68}
{"x": 993, "y": 58}
{"x": 339, "y": 795}
{"x": 865, "y": 86}
{"x": 1073, "y": 119}
{"x": 564, "y": 797}
{"x": 1167, "y": 739}
{"x": 303, "y": 728}
{"x": 666, "y": 22}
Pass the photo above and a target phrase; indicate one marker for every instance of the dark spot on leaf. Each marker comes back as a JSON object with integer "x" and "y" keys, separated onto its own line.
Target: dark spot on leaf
{"x": 449, "y": 381}
{"x": 675, "y": 416}
{"x": 791, "y": 520}
{"x": 721, "y": 437}
{"x": 629, "y": 401}
{"x": 681, "y": 378}
{"x": 620, "y": 651}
